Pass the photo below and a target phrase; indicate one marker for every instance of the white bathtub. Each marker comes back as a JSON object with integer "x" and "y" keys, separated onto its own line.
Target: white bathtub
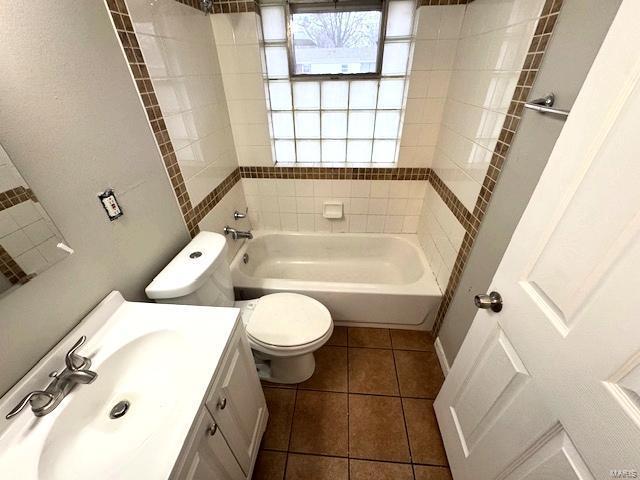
{"x": 363, "y": 279}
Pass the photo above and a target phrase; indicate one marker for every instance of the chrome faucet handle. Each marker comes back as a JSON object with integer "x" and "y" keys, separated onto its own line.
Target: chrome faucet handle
{"x": 74, "y": 361}
{"x": 238, "y": 215}
{"x": 23, "y": 403}
{"x": 231, "y": 231}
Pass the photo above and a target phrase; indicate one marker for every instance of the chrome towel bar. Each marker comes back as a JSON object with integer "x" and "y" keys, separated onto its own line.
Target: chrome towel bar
{"x": 543, "y": 105}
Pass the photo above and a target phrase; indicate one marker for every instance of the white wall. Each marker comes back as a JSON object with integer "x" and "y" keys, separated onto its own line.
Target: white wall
{"x": 437, "y": 31}
{"x": 376, "y": 206}
{"x": 71, "y": 121}
{"x": 238, "y": 45}
{"x": 179, "y": 50}
{"x": 494, "y": 41}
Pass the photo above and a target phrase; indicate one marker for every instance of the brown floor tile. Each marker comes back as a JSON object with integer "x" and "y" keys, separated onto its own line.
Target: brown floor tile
{"x": 338, "y": 337}
{"x": 280, "y": 405}
{"x": 369, "y": 337}
{"x": 424, "y": 435}
{"x": 371, "y": 370}
{"x": 310, "y": 467}
{"x": 366, "y": 470}
{"x": 269, "y": 465}
{"x": 376, "y": 429}
{"x": 331, "y": 370}
{"x": 412, "y": 340}
{"x": 424, "y": 472}
{"x": 419, "y": 373}
{"x": 320, "y": 423}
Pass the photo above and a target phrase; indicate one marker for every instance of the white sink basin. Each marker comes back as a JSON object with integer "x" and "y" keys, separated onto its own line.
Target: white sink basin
{"x": 159, "y": 358}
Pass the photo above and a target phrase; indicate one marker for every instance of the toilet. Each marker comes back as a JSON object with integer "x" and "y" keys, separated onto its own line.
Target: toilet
{"x": 283, "y": 329}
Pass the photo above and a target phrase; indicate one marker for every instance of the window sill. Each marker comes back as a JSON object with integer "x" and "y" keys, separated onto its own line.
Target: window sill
{"x": 336, "y": 165}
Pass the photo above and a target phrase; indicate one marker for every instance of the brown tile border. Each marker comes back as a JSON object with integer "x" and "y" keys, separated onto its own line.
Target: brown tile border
{"x": 433, "y": 3}
{"x": 232, "y": 6}
{"x": 15, "y": 196}
{"x": 324, "y": 173}
{"x": 11, "y": 270}
{"x": 471, "y": 220}
{"x": 135, "y": 59}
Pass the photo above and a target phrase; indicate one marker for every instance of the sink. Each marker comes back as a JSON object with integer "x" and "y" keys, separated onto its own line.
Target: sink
{"x": 147, "y": 373}
{"x": 160, "y": 358}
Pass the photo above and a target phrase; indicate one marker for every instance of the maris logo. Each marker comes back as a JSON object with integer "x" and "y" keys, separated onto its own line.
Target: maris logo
{"x": 623, "y": 474}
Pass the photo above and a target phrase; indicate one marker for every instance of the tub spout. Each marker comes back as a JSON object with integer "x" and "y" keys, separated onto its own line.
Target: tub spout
{"x": 236, "y": 234}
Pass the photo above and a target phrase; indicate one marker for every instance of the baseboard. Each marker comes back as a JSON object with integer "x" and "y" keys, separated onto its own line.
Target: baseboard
{"x": 444, "y": 365}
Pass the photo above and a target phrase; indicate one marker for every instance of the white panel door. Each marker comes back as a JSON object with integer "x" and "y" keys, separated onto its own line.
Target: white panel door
{"x": 549, "y": 388}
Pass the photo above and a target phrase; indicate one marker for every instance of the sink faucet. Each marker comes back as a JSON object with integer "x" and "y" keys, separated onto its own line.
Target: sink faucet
{"x": 236, "y": 234}
{"x": 76, "y": 372}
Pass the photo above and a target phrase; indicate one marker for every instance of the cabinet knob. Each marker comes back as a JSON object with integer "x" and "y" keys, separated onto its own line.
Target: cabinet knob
{"x": 211, "y": 431}
{"x": 222, "y": 403}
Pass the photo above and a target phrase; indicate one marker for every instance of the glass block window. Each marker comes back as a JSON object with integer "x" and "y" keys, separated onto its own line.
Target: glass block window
{"x": 336, "y": 79}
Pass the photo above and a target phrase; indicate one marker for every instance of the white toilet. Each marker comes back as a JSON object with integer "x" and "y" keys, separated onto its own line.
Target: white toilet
{"x": 283, "y": 329}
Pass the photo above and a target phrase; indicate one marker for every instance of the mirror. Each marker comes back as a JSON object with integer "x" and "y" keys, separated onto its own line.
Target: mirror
{"x": 28, "y": 238}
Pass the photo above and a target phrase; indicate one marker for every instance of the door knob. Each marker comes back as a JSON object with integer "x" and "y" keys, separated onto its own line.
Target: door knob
{"x": 492, "y": 301}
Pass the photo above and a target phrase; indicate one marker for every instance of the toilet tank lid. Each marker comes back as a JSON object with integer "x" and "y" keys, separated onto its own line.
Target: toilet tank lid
{"x": 190, "y": 268}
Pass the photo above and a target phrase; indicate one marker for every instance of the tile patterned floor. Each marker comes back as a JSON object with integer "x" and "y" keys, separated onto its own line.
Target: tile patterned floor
{"x": 365, "y": 414}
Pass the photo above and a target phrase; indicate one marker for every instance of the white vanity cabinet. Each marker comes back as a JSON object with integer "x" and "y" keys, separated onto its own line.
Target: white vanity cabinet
{"x": 208, "y": 456}
{"x": 226, "y": 436}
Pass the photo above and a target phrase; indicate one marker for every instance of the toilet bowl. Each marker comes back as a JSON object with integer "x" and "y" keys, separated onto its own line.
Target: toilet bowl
{"x": 283, "y": 329}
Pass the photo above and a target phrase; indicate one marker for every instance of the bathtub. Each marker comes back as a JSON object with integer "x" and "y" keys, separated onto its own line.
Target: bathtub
{"x": 363, "y": 279}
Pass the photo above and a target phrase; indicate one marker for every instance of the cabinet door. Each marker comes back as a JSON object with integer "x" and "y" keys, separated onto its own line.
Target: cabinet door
{"x": 209, "y": 456}
{"x": 237, "y": 402}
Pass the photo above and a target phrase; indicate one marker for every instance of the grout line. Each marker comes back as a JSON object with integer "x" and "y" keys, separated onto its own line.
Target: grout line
{"x": 348, "y": 414}
{"x": 293, "y": 414}
{"x": 404, "y": 418}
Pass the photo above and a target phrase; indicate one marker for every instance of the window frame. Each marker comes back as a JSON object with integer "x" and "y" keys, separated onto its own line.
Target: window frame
{"x": 329, "y": 7}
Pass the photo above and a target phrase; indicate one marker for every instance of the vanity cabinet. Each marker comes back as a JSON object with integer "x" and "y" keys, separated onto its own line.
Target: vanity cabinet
{"x": 237, "y": 403}
{"x": 224, "y": 441}
{"x": 209, "y": 457}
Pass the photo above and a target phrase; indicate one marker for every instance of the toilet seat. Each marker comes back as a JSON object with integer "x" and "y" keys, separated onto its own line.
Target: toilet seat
{"x": 288, "y": 322}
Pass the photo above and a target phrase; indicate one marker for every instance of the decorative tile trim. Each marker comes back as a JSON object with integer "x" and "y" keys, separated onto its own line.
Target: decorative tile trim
{"x": 11, "y": 270}
{"x": 471, "y": 221}
{"x": 232, "y": 6}
{"x": 323, "y": 173}
{"x": 432, "y": 3}
{"x": 135, "y": 59}
{"x": 15, "y": 196}
{"x": 212, "y": 199}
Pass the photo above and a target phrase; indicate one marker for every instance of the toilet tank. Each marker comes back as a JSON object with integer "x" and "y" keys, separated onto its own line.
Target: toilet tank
{"x": 198, "y": 275}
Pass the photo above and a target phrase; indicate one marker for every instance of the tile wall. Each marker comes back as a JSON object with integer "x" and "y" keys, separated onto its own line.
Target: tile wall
{"x": 375, "y": 206}
{"x": 440, "y": 234}
{"x": 493, "y": 44}
{"x": 437, "y": 31}
{"x": 179, "y": 51}
{"x": 238, "y": 45}
{"x": 171, "y": 52}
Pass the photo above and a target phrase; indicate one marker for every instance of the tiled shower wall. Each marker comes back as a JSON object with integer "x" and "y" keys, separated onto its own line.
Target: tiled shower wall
{"x": 474, "y": 110}
{"x": 238, "y": 45}
{"x": 172, "y": 56}
{"x": 180, "y": 54}
{"x": 436, "y": 39}
{"x": 494, "y": 41}
{"x": 374, "y": 206}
